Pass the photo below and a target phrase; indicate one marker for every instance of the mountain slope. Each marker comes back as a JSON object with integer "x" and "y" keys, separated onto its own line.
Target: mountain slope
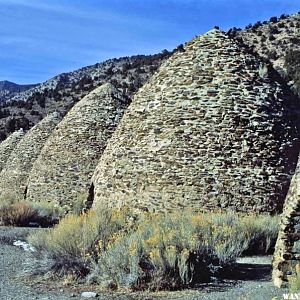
{"x": 10, "y": 89}
{"x": 278, "y": 41}
{"x": 60, "y": 93}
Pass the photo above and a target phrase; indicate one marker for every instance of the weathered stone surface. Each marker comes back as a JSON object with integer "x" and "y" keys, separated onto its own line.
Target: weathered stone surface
{"x": 8, "y": 145}
{"x": 63, "y": 171}
{"x": 286, "y": 254}
{"x": 14, "y": 176}
{"x": 206, "y": 131}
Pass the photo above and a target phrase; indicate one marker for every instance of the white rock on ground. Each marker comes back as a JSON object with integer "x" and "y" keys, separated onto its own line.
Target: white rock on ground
{"x": 24, "y": 245}
{"x": 89, "y": 295}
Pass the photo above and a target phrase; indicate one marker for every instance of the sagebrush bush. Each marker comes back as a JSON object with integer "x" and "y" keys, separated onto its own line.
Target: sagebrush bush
{"x": 48, "y": 213}
{"x": 154, "y": 250}
{"x": 69, "y": 242}
{"x": 78, "y": 205}
{"x": 7, "y": 200}
{"x": 179, "y": 249}
{"x": 74, "y": 242}
{"x": 262, "y": 232}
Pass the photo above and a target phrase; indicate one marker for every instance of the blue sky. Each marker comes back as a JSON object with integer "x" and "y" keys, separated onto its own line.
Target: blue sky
{"x": 42, "y": 38}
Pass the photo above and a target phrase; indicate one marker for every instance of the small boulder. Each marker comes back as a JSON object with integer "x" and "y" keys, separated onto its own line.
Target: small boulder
{"x": 89, "y": 295}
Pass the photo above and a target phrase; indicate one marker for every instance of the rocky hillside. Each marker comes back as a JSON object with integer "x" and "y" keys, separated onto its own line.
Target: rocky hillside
{"x": 10, "y": 89}
{"x": 60, "y": 93}
{"x": 276, "y": 40}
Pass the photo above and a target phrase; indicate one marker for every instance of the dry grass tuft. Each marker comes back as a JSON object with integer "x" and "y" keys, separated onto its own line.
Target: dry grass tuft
{"x": 15, "y": 212}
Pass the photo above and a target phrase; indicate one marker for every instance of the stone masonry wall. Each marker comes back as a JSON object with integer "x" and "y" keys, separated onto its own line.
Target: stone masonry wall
{"x": 62, "y": 173}
{"x": 209, "y": 130}
{"x": 8, "y": 145}
{"x": 287, "y": 249}
{"x": 14, "y": 176}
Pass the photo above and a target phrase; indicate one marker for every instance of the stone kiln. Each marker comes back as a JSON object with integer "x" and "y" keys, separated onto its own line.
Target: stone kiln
{"x": 8, "y": 145}
{"x": 209, "y": 130}
{"x": 287, "y": 250}
{"x": 63, "y": 171}
{"x": 14, "y": 176}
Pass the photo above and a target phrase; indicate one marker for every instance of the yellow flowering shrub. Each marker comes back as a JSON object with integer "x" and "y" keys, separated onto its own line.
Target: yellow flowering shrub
{"x": 171, "y": 245}
{"x": 155, "y": 250}
{"x": 78, "y": 240}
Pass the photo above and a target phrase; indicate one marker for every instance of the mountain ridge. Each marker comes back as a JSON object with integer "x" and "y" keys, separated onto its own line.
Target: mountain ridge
{"x": 9, "y": 89}
{"x": 25, "y": 109}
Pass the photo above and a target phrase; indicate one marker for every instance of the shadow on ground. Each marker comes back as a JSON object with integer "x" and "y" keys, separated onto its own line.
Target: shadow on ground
{"x": 239, "y": 275}
{"x": 251, "y": 272}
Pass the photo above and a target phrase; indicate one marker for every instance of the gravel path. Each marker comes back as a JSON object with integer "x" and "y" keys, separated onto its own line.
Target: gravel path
{"x": 251, "y": 282}
{"x": 14, "y": 266}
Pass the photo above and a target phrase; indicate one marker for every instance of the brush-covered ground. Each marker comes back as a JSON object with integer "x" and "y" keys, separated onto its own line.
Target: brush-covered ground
{"x": 57, "y": 270}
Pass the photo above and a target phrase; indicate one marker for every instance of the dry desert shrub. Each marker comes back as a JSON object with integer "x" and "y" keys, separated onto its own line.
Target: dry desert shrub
{"x": 153, "y": 251}
{"x": 73, "y": 242}
{"x": 15, "y": 212}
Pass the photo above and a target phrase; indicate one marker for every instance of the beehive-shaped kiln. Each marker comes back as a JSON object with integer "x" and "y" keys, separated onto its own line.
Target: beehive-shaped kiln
{"x": 63, "y": 171}
{"x": 8, "y": 145}
{"x": 14, "y": 176}
{"x": 211, "y": 129}
{"x": 287, "y": 249}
